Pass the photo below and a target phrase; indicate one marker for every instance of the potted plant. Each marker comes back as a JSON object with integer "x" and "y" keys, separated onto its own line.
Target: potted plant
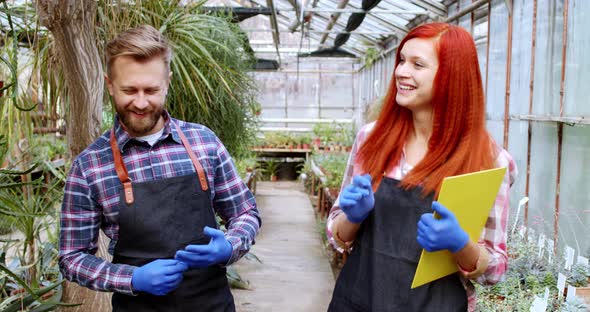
{"x": 305, "y": 141}
{"x": 271, "y": 168}
{"x": 579, "y": 278}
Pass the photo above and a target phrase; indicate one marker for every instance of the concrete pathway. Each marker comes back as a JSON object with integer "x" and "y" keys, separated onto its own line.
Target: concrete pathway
{"x": 295, "y": 274}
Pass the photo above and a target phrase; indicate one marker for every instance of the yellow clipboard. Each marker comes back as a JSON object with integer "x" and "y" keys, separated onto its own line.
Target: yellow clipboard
{"x": 470, "y": 197}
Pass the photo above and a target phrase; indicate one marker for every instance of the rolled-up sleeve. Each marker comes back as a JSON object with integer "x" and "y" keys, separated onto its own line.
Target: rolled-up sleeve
{"x": 235, "y": 204}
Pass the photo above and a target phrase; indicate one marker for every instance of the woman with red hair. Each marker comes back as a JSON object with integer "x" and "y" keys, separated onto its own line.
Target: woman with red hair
{"x": 432, "y": 126}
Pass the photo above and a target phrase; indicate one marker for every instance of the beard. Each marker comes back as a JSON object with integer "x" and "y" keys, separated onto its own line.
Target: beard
{"x": 140, "y": 126}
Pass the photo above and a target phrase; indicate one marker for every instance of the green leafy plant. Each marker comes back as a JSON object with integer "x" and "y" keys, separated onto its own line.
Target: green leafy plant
{"x": 333, "y": 166}
{"x": 234, "y": 278}
{"x": 578, "y": 276}
{"x": 26, "y": 208}
{"x": 245, "y": 164}
{"x": 574, "y": 305}
{"x": 371, "y": 55}
{"x": 271, "y": 168}
{"x": 527, "y": 275}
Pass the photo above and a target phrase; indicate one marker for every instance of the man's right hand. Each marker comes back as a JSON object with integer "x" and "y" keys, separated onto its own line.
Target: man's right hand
{"x": 158, "y": 277}
{"x": 357, "y": 199}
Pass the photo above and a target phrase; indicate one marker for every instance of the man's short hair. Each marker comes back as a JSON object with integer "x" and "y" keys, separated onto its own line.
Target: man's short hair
{"x": 141, "y": 43}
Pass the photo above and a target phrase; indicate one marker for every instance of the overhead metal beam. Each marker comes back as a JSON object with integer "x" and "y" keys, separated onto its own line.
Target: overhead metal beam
{"x": 431, "y": 6}
{"x": 306, "y": 15}
{"x": 371, "y": 12}
{"x": 381, "y": 19}
{"x": 339, "y": 24}
{"x": 315, "y": 36}
{"x": 296, "y": 50}
{"x": 468, "y": 9}
{"x": 292, "y": 51}
{"x": 333, "y": 19}
{"x": 275, "y": 27}
{"x": 384, "y": 33}
{"x": 298, "y": 12}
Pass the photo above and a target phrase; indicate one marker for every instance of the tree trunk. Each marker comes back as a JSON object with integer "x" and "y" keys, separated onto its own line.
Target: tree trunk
{"x": 71, "y": 23}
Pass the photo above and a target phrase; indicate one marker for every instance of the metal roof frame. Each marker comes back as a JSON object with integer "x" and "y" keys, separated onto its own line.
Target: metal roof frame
{"x": 319, "y": 22}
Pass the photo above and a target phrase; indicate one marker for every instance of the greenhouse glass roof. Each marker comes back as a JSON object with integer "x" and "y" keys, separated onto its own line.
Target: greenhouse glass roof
{"x": 287, "y": 28}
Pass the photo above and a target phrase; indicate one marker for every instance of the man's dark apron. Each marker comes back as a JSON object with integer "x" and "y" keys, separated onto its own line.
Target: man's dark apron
{"x": 378, "y": 274}
{"x": 157, "y": 218}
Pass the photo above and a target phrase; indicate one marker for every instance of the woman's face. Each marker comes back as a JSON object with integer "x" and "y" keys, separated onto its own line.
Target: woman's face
{"x": 415, "y": 74}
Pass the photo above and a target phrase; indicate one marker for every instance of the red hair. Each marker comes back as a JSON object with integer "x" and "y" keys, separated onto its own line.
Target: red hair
{"x": 459, "y": 142}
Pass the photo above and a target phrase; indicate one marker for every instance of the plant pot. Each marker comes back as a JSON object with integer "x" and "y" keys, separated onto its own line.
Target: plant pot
{"x": 273, "y": 178}
{"x": 316, "y": 143}
{"x": 584, "y": 294}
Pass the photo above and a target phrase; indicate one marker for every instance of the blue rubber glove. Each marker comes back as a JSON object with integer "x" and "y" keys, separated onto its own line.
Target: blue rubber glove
{"x": 158, "y": 277}
{"x": 357, "y": 199}
{"x": 217, "y": 251}
{"x": 444, "y": 233}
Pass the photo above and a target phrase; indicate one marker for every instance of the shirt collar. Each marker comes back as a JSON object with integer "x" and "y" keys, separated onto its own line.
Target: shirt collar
{"x": 123, "y": 137}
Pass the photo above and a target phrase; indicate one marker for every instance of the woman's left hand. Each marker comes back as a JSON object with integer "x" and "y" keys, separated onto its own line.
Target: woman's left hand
{"x": 444, "y": 233}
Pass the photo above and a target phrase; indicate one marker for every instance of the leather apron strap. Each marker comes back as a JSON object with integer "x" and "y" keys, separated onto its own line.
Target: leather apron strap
{"x": 124, "y": 175}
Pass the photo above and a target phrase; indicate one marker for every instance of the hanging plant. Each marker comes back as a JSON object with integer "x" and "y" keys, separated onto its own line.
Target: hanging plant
{"x": 354, "y": 21}
{"x": 341, "y": 39}
{"x": 369, "y": 4}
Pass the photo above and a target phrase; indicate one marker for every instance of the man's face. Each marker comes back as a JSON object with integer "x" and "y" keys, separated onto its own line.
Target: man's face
{"x": 139, "y": 91}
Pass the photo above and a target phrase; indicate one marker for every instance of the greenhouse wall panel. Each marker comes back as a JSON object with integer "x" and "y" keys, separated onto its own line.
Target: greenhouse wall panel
{"x": 465, "y": 20}
{"x": 577, "y": 64}
{"x": 520, "y": 73}
{"x": 308, "y": 90}
{"x": 518, "y": 149}
{"x": 496, "y": 85}
{"x": 272, "y": 97}
{"x": 548, "y": 57}
{"x": 496, "y": 129}
{"x": 543, "y": 177}
{"x": 574, "y": 198}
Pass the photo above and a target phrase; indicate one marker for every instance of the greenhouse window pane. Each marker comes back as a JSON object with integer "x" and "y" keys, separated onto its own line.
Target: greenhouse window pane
{"x": 520, "y": 73}
{"x": 577, "y": 63}
{"x": 271, "y": 95}
{"x": 548, "y": 57}
{"x": 517, "y": 147}
{"x": 496, "y": 85}
{"x": 574, "y": 198}
{"x": 543, "y": 177}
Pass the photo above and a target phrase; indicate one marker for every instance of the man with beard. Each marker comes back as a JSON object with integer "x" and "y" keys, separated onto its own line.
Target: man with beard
{"x": 153, "y": 184}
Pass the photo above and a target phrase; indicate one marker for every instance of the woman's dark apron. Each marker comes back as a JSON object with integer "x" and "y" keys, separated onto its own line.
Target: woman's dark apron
{"x": 157, "y": 218}
{"x": 379, "y": 271}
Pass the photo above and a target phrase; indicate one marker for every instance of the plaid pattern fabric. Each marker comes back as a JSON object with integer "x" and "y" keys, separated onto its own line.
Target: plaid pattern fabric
{"x": 493, "y": 237}
{"x": 92, "y": 191}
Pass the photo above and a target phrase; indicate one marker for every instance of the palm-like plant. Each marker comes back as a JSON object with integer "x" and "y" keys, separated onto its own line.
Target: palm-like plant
{"x": 30, "y": 208}
{"x": 210, "y": 84}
